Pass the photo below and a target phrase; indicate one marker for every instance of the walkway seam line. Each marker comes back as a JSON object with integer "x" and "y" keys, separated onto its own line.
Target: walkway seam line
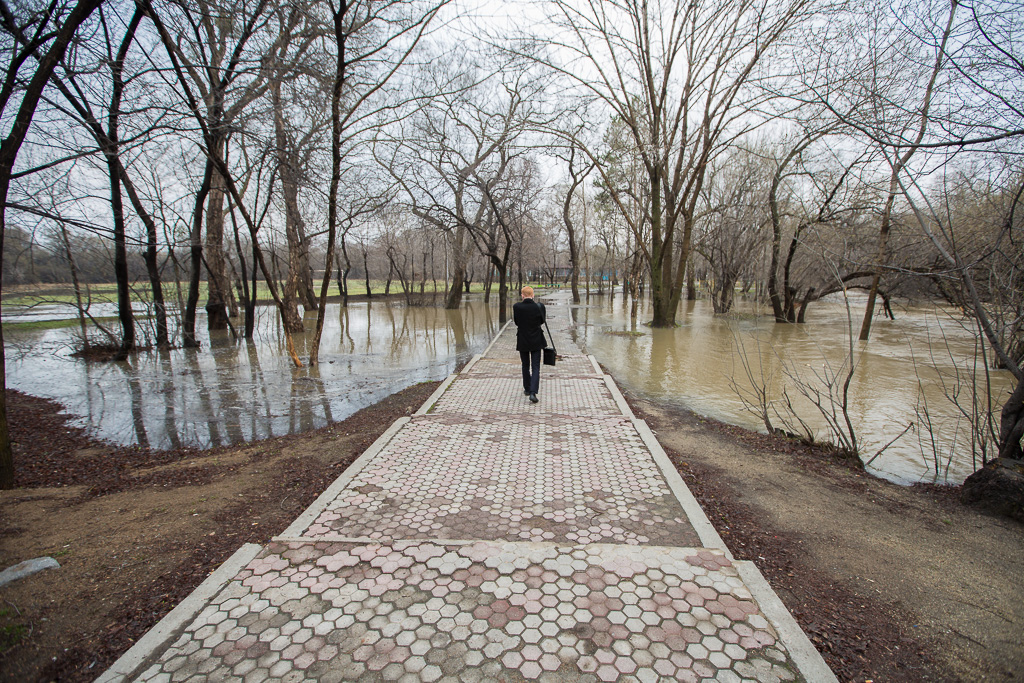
{"x": 436, "y": 396}
{"x": 178, "y": 618}
{"x": 701, "y": 524}
{"x": 324, "y": 499}
{"x": 329, "y": 538}
{"x": 803, "y": 653}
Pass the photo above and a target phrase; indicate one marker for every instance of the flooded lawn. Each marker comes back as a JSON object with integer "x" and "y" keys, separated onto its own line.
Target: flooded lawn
{"x": 229, "y": 392}
{"x": 904, "y": 373}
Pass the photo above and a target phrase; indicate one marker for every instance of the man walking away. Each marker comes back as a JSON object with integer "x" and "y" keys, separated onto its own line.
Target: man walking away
{"x": 529, "y": 316}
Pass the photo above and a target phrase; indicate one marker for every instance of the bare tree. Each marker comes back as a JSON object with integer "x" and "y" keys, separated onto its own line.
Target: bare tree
{"x": 52, "y": 30}
{"x": 456, "y": 150}
{"x": 677, "y": 75}
{"x": 731, "y": 234}
{"x": 373, "y": 40}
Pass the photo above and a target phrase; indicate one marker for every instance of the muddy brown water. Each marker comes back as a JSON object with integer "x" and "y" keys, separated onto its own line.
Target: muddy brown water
{"x": 907, "y": 372}
{"x": 229, "y": 392}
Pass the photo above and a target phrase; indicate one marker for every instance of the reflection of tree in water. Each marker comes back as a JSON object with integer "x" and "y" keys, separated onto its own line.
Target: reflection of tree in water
{"x": 225, "y": 365}
{"x": 176, "y": 398}
{"x": 195, "y": 372}
{"x": 458, "y": 329}
{"x": 345, "y": 333}
{"x": 165, "y": 382}
{"x": 131, "y": 375}
{"x": 259, "y": 389}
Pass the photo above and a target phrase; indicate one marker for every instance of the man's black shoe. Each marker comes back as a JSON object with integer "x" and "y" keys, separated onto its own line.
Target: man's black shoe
{"x": 533, "y": 398}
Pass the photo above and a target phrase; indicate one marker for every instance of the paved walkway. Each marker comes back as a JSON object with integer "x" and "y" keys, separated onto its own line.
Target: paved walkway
{"x": 490, "y": 539}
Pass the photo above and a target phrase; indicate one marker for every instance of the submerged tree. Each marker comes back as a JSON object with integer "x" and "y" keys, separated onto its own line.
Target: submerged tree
{"x": 678, "y": 75}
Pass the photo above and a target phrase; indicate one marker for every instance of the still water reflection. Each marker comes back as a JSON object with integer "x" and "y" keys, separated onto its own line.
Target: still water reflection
{"x": 908, "y": 365}
{"x": 229, "y": 392}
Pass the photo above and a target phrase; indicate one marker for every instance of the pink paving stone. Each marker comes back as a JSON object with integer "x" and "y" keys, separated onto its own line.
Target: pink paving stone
{"x": 292, "y": 651}
{"x": 516, "y": 613}
{"x": 223, "y": 648}
{"x": 608, "y": 673}
{"x": 618, "y": 632}
{"x": 735, "y": 613}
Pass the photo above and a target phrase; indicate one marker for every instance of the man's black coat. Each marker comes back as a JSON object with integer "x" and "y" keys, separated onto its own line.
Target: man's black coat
{"x": 528, "y": 315}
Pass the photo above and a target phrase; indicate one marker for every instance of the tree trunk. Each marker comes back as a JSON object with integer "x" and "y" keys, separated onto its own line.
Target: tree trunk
{"x": 454, "y": 299}
{"x": 292, "y": 215}
{"x": 195, "y": 260}
{"x": 1011, "y": 424}
{"x": 213, "y": 256}
{"x": 73, "y": 267}
{"x": 366, "y": 275}
{"x": 9, "y": 148}
{"x": 124, "y": 301}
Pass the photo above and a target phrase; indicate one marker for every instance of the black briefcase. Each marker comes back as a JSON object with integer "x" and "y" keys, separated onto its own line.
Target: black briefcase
{"x": 549, "y": 356}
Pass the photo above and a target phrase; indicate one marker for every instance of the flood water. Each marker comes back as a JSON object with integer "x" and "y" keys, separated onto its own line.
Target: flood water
{"x": 228, "y": 392}
{"x": 903, "y": 372}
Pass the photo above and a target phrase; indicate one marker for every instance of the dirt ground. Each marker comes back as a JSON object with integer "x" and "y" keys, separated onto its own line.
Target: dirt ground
{"x": 891, "y": 583}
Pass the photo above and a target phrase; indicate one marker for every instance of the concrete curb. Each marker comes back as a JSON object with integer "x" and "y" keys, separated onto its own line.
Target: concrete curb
{"x": 168, "y": 628}
{"x": 303, "y": 521}
{"x": 434, "y": 397}
{"x": 471, "y": 363}
{"x": 803, "y": 653}
{"x": 620, "y": 400}
{"x": 701, "y": 524}
{"x": 597, "y": 366}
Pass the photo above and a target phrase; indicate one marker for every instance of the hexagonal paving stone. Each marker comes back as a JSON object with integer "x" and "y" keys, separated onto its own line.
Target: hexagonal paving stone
{"x": 484, "y": 579}
{"x": 580, "y": 480}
